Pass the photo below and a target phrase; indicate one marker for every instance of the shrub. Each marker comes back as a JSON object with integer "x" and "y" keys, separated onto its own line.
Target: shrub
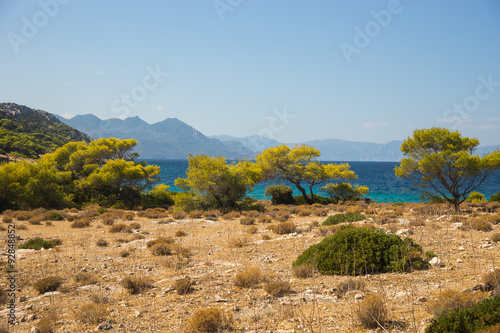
{"x": 91, "y": 313}
{"x": 248, "y": 278}
{"x": 47, "y": 322}
{"x": 136, "y": 285}
{"x": 341, "y": 218}
{"x": 7, "y": 219}
{"x": 281, "y": 194}
{"x": 209, "y": 320}
{"x": 81, "y": 223}
{"x": 196, "y": 214}
{"x": 349, "y": 284}
{"x": 36, "y": 220}
{"x": 450, "y": 300}
{"x": 303, "y": 271}
{"x": 238, "y": 242}
{"x": 120, "y": 227}
{"x": 179, "y": 215}
{"x": 495, "y": 197}
{"x": 231, "y": 216}
{"x": 129, "y": 216}
{"x": 107, "y": 220}
{"x": 159, "y": 240}
{"x": 479, "y": 224}
{"x": 283, "y": 228}
{"x": 54, "y": 216}
{"x": 372, "y": 312}
{"x": 38, "y": 243}
{"x": 101, "y": 242}
{"x": 180, "y": 233}
{"x": 465, "y": 320}
{"x": 252, "y": 230}
{"x": 85, "y": 278}
{"x": 3, "y": 296}
{"x": 476, "y": 197}
{"x": 21, "y": 227}
{"x": 247, "y": 221}
{"x": 102, "y": 210}
{"x": 135, "y": 225}
{"x": 124, "y": 254}
{"x": 183, "y": 286}
{"x": 277, "y": 288}
{"x": 266, "y": 237}
{"x": 161, "y": 249}
{"x": 51, "y": 283}
{"x": 304, "y": 212}
{"x": 495, "y": 237}
{"x": 264, "y": 219}
{"x": 492, "y": 281}
{"x": 357, "y": 251}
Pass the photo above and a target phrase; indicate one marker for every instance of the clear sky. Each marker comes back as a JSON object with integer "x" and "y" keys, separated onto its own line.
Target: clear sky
{"x": 291, "y": 70}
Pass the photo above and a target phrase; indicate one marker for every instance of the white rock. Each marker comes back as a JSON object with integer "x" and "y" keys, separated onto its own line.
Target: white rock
{"x": 459, "y": 261}
{"x": 461, "y": 248}
{"x": 358, "y": 297}
{"x": 457, "y": 225}
{"x": 404, "y": 232}
{"x": 435, "y": 262}
{"x": 422, "y": 299}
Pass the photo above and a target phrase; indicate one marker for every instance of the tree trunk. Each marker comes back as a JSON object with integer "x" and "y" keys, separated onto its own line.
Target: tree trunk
{"x": 312, "y": 195}
{"x": 304, "y": 194}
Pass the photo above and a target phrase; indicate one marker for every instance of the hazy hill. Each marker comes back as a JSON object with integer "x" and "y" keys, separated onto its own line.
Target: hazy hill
{"x": 170, "y": 138}
{"x": 26, "y": 132}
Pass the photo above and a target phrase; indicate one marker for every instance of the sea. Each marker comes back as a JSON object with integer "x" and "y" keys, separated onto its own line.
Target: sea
{"x": 378, "y": 176}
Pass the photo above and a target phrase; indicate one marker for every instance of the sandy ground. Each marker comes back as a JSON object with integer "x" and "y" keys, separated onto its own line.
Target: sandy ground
{"x": 315, "y": 304}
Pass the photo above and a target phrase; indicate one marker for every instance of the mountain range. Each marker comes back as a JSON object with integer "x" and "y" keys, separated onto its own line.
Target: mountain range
{"x": 172, "y": 138}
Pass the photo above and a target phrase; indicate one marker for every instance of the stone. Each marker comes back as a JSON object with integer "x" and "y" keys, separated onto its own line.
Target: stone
{"x": 435, "y": 262}
{"x": 422, "y": 299}
{"x": 104, "y": 326}
{"x": 461, "y": 248}
{"x": 457, "y": 225}
{"x": 407, "y": 231}
{"x": 460, "y": 261}
{"x": 358, "y": 297}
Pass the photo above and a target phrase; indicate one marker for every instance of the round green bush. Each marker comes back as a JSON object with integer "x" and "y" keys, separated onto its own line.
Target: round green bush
{"x": 341, "y": 218}
{"x": 359, "y": 251}
{"x": 465, "y": 320}
{"x": 281, "y": 194}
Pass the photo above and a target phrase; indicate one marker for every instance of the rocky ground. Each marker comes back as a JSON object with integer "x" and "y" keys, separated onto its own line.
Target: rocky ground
{"x": 215, "y": 249}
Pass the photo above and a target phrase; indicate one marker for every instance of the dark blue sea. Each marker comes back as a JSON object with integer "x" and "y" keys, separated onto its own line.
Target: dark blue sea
{"x": 378, "y": 176}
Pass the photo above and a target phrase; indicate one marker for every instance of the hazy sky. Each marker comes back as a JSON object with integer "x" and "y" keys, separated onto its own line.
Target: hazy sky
{"x": 291, "y": 70}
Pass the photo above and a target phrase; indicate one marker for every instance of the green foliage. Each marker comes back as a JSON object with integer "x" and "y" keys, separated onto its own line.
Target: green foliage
{"x": 54, "y": 216}
{"x": 298, "y": 166}
{"x": 39, "y": 243}
{"x": 251, "y": 204}
{"x": 159, "y": 196}
{"x": 31, "y": 134}
{"x": 220, "y": 185}
{"x": 495, "y": 197}
{"x": 476, "y": 197}
{"x": 281, "y": 194}
{"x": 359, "y": 251}
{"x": 341, "y": 218}
{"x": 442, "y": 160}
{"x": 465, "y": 320}
{"x": 299, "y": 200}
{"x": 342, "y": 192}
{"x": 188, "y": 201}
{"x": 76, "y": 174}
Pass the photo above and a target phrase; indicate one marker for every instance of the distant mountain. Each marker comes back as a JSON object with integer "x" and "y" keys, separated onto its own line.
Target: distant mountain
{"x": 170, "y": 138}
{"x": 337, "y": 149}
{"x": 29, "y": 133}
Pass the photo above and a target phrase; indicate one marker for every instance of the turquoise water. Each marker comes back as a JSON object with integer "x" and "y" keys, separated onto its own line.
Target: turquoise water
{"x": 378, "y": 176}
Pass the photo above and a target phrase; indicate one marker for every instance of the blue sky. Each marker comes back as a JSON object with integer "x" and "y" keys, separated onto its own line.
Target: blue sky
{"x": 291, "y": 70}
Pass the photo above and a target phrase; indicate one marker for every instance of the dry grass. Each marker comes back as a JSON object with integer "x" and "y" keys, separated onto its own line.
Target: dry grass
{"x": 101, "y": 242}
{"x": 161, "y": 249}
{"x": 136, "y": 285}
{"x": 285, "y": 228}
{"x": 91, "y": 313}
{"x": 492, "y": 281}
{"x": 85, "y": 278}
{"x": 452, "y": 299}
{"x": 349, "y": 284}
{"x": 303, "y": 271}
{"x": 179, "y": 215}
{"x": 120, "y": 227}
{"x": 209, "y": 320}
{"x": 372, "y": 312}
{"x": 248, "y": 278}
{"x": 183, "y": 286}
{"x": 278, "y": 288}
{"x": 51, "y": 283}
{"x": 247, "y": 220}
{"x": 47, "y": 323}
